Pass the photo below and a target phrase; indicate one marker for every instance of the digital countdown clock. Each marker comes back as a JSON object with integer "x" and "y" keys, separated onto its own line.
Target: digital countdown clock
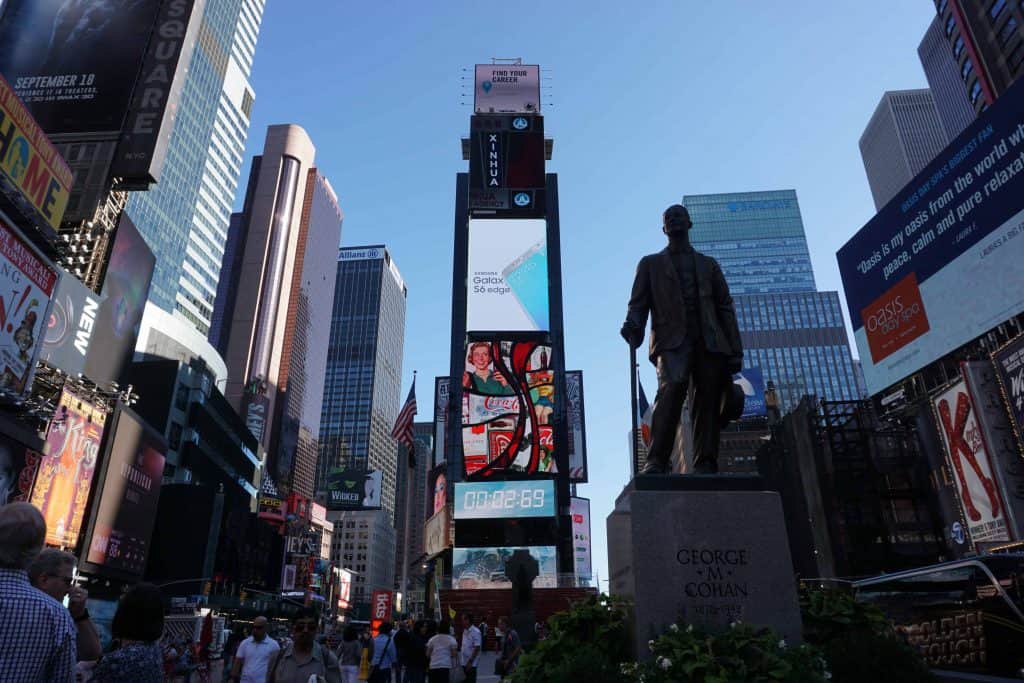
{"x": 500, "y": 499}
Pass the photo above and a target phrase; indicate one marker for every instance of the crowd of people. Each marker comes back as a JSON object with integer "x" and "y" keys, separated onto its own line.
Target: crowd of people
{"x": 46, "y": 642}
{"x": 411, "y": 651}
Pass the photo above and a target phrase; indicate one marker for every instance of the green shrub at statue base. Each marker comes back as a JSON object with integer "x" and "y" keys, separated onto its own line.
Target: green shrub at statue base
{"x": 847, "y": 642}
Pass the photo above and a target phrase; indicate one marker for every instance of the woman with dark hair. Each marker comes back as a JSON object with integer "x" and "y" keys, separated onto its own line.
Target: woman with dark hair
{"x": 138, "y": 624}
{"x": 350, "y": 654}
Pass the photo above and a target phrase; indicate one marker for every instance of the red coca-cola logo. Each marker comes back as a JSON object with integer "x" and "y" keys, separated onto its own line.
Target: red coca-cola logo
{"x": 547, "y": 437}
{"x": 510, "y": 404}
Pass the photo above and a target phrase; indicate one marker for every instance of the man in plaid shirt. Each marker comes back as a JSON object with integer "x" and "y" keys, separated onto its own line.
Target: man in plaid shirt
{"x": 37, "y": 633}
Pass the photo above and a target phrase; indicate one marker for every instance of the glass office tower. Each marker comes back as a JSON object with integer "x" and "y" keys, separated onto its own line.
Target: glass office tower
{"x": 757, "y": 237}
{"x": 184, "y": 218}
{"x": 364, "y": 368}
{"x": 792, "y": 332}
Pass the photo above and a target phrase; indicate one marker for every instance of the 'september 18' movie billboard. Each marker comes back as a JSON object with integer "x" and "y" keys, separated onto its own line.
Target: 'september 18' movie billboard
{"x": 74, "y": 64}
{"x": 940, "y": 264}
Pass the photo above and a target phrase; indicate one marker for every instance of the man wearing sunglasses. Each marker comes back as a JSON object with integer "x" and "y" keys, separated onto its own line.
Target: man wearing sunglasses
{"x": 53, "y": 572}
{"x": 305, "y": 657}
{"x": 254, "y": 654}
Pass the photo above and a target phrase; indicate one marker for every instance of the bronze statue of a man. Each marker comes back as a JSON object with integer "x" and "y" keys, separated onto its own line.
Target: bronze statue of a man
{"x": 694, "y": 335}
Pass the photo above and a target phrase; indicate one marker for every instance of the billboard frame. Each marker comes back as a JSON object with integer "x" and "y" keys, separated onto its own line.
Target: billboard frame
{"x": 99, "y": 483}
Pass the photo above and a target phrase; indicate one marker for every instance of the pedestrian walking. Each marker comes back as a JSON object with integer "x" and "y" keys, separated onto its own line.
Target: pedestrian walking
{"x": 37, "y": 633}
{"x": 350, "y": 653}
{"x": 254, "y": 655}
{"x": 53, "y": 573}
{"x": 511, "y": 648}
{"x": 384, "y": 655}
{"x": 137, "y": 626}
{"x": 416, "y": 663}
{"x": 472, "y": 642}
{"x": 401, "y": 633}
{"x": 443, "y": 654}
{"x": 305, "y": 657}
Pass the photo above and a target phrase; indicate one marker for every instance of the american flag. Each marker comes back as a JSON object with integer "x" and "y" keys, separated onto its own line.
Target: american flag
{"x": 402, "y": 431}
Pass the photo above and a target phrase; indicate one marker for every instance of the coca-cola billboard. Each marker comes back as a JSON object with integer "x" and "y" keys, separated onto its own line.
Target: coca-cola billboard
{"x": 508, "y": 407}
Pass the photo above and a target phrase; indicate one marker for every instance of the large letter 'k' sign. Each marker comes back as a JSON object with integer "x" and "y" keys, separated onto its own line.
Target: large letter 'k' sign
{"x": 958, "y": 448}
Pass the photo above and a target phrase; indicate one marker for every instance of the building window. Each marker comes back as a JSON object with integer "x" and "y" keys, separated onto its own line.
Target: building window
{"x": 1016, "y": 58}
{"x": 966, "y": 69}
{"x": 950, "y": 25}
{"x": 940, "y": 6}
{"x": 1007, "y": 31}
{"x": 997, "y": 8}
{"x": 975, "y": 91}
{"x": 958, "y": 47}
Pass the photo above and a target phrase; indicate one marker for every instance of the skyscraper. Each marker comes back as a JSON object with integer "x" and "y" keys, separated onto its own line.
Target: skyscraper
{"x": 411, "y": 502}
{"x": 987, "y": 43}
{"x": 184, "y": 218}
{"x": 757, "y": 237}
{"x": 275, "y": 271}
{"x": 794, "y": 333}
{"x": 944, "y": 80}
{"x": 364, "y": 366}
{"x": 903, "y": 135}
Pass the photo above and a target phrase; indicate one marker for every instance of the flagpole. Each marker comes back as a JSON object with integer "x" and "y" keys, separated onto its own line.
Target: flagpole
{"x": 409, "y": 482}
{"x": 634, "y": 466}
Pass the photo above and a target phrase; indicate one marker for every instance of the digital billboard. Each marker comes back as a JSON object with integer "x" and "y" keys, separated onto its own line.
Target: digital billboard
{"x": 508, "y": 404}
{"x": 1009, "y": 364}
{"x": 752, "y": 382}
{"x": 507, "y": 288}
{"x": 65, "y": 476}
{"x": 27, "y": 282}
{"x": 353, "y": 489}
{"x": 579, "y": 510}
{"x": 506, "y": 88}
{"x": 940, "y": 263}
{"x": 504, "y": 499}
{"x": 18, "y": 465}
{"x": 506, "y": 166}
{"x": 577, "y": 426}
{"x": 74, "y": 64}
{"x": 441, "y": 393}
{"x": 32, "y": 174}
{"x": 142, "y": 149}
{"x": 71, "y": 325}
{"x": 437, "y": 532}
{"x": 484, "y": 568}
{"x": 970, "y": 465}
{"x": 125, "y": 290}
{"x": 121, "y": 523}
{"x": 438, "y": 487}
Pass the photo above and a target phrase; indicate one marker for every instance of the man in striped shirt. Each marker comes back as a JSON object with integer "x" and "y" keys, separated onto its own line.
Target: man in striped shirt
{"x": 37, "y": 633}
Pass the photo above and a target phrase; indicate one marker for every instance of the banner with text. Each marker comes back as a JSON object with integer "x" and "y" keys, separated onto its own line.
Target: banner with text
{"x": 940, "y": 263}
{"x": 579, "y": 509}
{"x": 27, "y": 282}
{"x": 970, "y": 465}
{"x": 353, "y": 489}
{"x": 577, "y": 426}
{"x": 506, "y": 88}
{"x": 65, "y": 476}
{"x": 508, "y": 276}
{"x": 32, "y": 174}
{"x": 1009, "y": 363}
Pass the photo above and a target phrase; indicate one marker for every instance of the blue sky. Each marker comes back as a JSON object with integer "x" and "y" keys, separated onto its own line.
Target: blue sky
{"x": 647, "y": 102}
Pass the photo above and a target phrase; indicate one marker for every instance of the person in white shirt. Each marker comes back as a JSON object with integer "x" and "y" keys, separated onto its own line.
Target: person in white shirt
{"x": 443, "y": 652}
{"x": 472, "y": 643}
{"x": 254, "y": 655}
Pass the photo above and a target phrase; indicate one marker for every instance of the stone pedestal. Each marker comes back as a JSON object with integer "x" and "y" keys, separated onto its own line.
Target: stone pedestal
{"x": 706, "y": 550}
